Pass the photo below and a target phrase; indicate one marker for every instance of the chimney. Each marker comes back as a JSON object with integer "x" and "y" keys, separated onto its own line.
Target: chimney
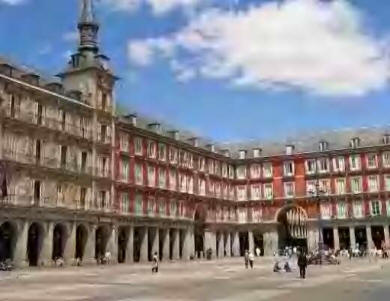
{"x": 194, "y": 141}
{"x": 242, "y": 154}
{"x": 132, "y": 118}
{"x": 211, "y": 147}
{"x": 174, "y": 134}
{"x": 256, "y": 152}
{"x": 289, "y": 149}
{"x": 155, "y": 126}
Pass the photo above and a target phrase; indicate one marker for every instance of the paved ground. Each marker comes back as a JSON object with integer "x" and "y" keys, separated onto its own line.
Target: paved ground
{"x": 220, "y": 280}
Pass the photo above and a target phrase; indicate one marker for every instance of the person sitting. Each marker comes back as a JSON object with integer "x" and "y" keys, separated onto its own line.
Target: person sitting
{"x": 287, "y": 267}
{"x": 276, "y": 267}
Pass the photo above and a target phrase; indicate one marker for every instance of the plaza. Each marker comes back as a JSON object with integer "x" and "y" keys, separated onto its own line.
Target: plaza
{"x": 200, "y": 280}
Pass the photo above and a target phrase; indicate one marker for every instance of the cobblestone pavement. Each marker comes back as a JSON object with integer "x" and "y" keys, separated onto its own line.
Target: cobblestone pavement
{"x": 217, "y": 280}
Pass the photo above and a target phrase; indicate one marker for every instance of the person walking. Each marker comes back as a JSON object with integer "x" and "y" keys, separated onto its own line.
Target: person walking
{"x": 155, "y": 263}
{"x": 302, "y": 263}
{"x": 251, "y": 259}
{"x": 246, "y": 258}
{"x": 258, "y": 251}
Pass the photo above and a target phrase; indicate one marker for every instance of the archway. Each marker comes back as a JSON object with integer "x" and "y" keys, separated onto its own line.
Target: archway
{"x": 292, "y": 227}
{"x": 123, "y": 237}
{"x": 81, "y": 241}
{"x": 34, "y": 243}
{"x": 378, "y": 236}
{"x": 59, "y": 240}
{"x": 199, "y": 229}
{"x": 101, "y": 239}
{"x": 7, "y": 241}
{"x": 258, "y": 241}
{"x": 137, "y": 241}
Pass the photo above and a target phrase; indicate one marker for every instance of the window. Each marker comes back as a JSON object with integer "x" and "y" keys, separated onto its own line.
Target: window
{"x": 124, "y": 143}
{"x": 231, "y": 172}
{"x": 267, "y": 170}
{"x": 372, "y": 161}
{"x": 231, "y": 192}
{"x": 138, "y": 204}
{"x": 288, "y": 168}
{"x": 161, "y": 152}
{"x": 241, "y": 172}
{"x": 340, "y": 186}
{"x": 151, "y": 207}
{"x": 211, "y": 187}
{"x": 355, "y": 142}
{"x": 83, "y": 194}
{"x": 338, "y": 164}
{"x": 63, "y": 120}
{"x": 356, "y": 184}
{"x": 310, "y": 166}
{"x": 202, "y": 164}
{"x": 39, "y": 114}
{"x": 151, "y": 149}
{"x": 268, "y": 191}
{"x": 341, "y": 210}
{"x": 173, "y": 209}
{"x": 373, "y": 184}
{"x": 326, "y": 210}
{"x": 202, "y": 187}
{"x": 64, "y": 150}
{"x": 311, "y": 188}
{"x": 354, "y": 162}
{"x": 151, "y": 176}
{"x": 255, "y": 192}
{"x": 12, "y": 106}
{"x": 125, "y": 202}
{"x": 358, "y": 209}
{"x": 289, "y": 189}
{"x": 173, "y": 155}
{"x": 84, "y": 156}
{"x": 139, "y": 179}
{"x": 102, "y": 199}
{"x": 38, "y": 151}
{"x": 224, "y": 170}
{"x": 386, "y": 159}
{"x": 161, "y": 206}
{"x": 172, "y": 179}
{"x": 162, "y": 178}
{"x": 255, "y": 171}
{"x": 324, "y": 186}
{"x": 210, "y": 166}
{"x": 125, "y": 171}
{"x": 103, "y": 133}
{"x": 387, "y": 182}
{"x": 190, "y": 185}
{"x": 241, "y": 193}
{"x": 375, "y": 208}
{"x": 323, "y": 165}
{"x": 217, "y": 168}
{"x": 182, "y": 182}
{"x": 37, "y": 191}
{"x": 138, "y": 146}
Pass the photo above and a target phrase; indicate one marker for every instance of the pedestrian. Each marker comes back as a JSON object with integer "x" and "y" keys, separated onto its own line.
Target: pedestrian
{"x": 251, "y": 259}
{"x": 246, "y": 258}
{"x": 257, "y": 251}
{"x": 302, "y": 263}
{"x": 155, "y": 263}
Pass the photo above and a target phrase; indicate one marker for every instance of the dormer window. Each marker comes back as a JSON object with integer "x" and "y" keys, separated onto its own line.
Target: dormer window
{"x": 242, "y": 154}
{"x": 225, "y": 153}
{"x": 355, "y": 142}
{"x": 256, "y": 152}
{"x": 156, "y": 127}
{"x": 211, "y": 147}
{"x": 289, "y": 149}
{"x": 386, "y": 139}
{"x": 323, "y": 146}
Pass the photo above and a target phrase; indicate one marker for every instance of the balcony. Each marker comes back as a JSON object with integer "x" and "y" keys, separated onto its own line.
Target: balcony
{"x": 27, "y": 201}
{"x": 49, "y": 163}
{"x": 103, "y": 172}
{"x": 104, "y": 138}
{"x": 49, "y": 123}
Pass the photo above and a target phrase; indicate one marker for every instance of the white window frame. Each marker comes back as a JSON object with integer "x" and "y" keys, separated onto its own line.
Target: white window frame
{"x": 286, "y": 190}
{"x": 360, "y": 185}
{"x": 254, "y": 195}
{"x": 343, "y": 214}
{"x": 339, "y": 164}
{"x": 337, "y": 190}
{"x": 242, "y": 193}
{"x": 311, "y": 188}
{"x": 320, "y": 163}
{"x": 267, "y": 170}
{"x": 310, "y": 163}
{"x": 369, "y": 166}
{"x": 386, "y": 159}
{"x": 370, "y": 187}
{"x": 373, "y": 208}
{"x": 326, "y": 210}
{"x": 241, "y": 172}
{"x": 255, "y": 170}
{"x": 358, "y": 162}
{"x": 138, "y": 141}
{"x": 286, "y": 167}
{"x": 358, "y": 213}
{"x": 266, "y": 188}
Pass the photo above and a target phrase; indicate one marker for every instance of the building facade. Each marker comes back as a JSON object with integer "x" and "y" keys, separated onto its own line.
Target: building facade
{"x": 78, "y": 181}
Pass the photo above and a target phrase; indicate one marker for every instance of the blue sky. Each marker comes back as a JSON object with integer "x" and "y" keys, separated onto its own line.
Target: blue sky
{"x": 228, "y": 70}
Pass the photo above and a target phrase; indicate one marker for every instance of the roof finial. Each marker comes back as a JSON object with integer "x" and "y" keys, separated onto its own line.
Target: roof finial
{"x": 88, "y": 27}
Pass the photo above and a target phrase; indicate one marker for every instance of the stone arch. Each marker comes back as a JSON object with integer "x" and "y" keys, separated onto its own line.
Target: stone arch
{"x": 200, "y": 216}
{"x": 123, "y": 237}
{"x": 60, "y": 233}
{"x": 8, "y": 235}
{"x": 102, "y": 235}
{"x": 292, "y": 226}
{"x": 81, "y": 240}
{"x": 35, "y": 237}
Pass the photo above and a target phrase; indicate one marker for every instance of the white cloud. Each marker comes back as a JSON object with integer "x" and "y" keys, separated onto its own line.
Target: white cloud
{"x": 157, "y": 6}
{"x": 140, "y": 52}
{"x": 320, "y": 47}
{"x": 12, "y": 2}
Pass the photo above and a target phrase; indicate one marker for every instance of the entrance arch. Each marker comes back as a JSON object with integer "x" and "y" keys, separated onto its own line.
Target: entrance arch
{"x": 81, "y": 241}
{"x": 7, "y": 241}
{"x": 199, "y": 229}
{"x": 34, "y": 243}
{"x": 102, "y": 235}
{"x": 123, "y": 237}
{"x": 59, "y": 240}
{"x": 292, "y": 227}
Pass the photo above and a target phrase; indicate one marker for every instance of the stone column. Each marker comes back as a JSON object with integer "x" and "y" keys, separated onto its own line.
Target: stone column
{"x": 155, "y": 243}
{"x": 130, "y": 246}
{"x": 251, "y": 242}
{"x": 20, "y": 253}
{"x": 188, "y": 244}
{"x": 312, "y": 238}
{"x": 370, "y": 243}
{"x": 352, "y": 237}
{"x": 210, "y": 242}
{"x": 89, "y": 252}
{"x": 236, "y": 244}
{"x": 144, "y": 246}
{"x": 112, "y": 244}
{"x": 387, "y": 236}
{"x": 221, "y": 246}
{"x": 228, "y": 245}
{"x": 70, "y": 245}
{"x": 166, "y": 240}
{"x": 270, "y": 243}
{"x": 176, "y": 245}
{"x": 45, "y": 257}
{"x": 336, "y": 239}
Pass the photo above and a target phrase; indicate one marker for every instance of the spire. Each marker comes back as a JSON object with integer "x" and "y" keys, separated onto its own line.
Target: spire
{"x": 88, "y": 27}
